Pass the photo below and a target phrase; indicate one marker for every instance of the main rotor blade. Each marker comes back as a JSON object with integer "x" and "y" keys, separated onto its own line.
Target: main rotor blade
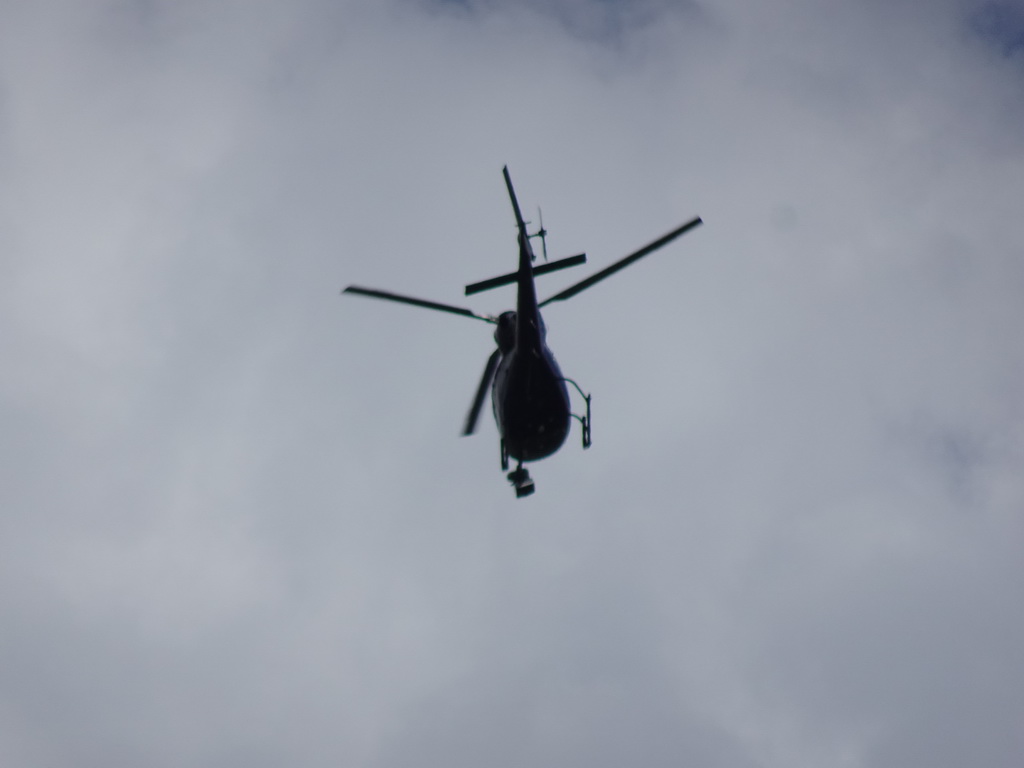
{"x": 375, "y": 294}
{"x": 481, "y": 392}
{"x": 621, "y": 263}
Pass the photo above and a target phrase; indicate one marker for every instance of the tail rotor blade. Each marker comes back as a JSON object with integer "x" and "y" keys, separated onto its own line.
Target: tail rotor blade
{"x": 542, "y": 233}
{"x": 622, "y": 263}
{"x": 375, "y": 294}
{"x": 481, "y": 392}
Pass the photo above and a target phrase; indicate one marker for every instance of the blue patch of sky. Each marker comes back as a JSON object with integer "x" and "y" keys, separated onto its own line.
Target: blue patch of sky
{"x": 603, "y": 20}
{"x": 1002, "y": 25}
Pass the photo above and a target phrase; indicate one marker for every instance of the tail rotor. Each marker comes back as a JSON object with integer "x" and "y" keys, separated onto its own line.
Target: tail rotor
{"x": 542, "y": 234}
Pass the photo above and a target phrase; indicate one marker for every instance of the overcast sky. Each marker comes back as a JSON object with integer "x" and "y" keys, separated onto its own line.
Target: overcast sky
{"x": 237, "y": 524}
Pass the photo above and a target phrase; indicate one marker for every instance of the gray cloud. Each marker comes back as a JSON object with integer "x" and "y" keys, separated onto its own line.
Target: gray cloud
{"x": 237, "y": 525}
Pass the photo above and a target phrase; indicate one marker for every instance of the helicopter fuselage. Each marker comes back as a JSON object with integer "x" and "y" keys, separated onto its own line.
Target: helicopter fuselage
{"x": 531, "y": 402}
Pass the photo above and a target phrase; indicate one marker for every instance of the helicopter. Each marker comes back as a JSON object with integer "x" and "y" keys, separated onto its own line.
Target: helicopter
{"x": 528, "y": 391}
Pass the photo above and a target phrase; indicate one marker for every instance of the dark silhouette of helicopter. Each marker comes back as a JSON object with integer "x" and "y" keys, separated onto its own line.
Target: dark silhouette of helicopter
{"x": 529, "y": 393}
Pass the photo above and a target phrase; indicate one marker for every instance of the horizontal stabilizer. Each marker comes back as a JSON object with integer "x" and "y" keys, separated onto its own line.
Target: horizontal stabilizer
{"x": 511, "y": 277}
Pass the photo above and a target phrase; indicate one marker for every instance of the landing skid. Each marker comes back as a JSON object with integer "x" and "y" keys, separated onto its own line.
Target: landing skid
{"x": 521, "y": 481}
{"x": 583, "y": 420}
